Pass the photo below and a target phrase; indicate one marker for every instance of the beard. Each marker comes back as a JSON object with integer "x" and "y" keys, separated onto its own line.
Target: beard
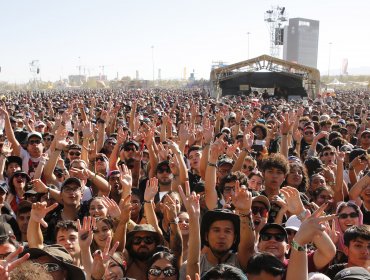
{"x": 141, "y": 256}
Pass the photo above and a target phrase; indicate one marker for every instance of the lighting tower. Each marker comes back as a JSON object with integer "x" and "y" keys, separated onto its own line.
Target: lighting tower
{"x": 35, "y": 70}
{"x": 275, "y": 19}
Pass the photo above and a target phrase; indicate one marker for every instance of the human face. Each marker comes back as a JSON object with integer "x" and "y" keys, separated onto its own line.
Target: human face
{"x": 12, "y": 167}
{"x": 229, "y": 190}
{"x": 255, "y": 183}
{"x": 114, "y": 182}
{"x": 136, "y": 205}
{"x": 308, "y": 135}
{"x": 247, "y": 167}
{"x": 101, "y": 233}
{"x": 2, "y": 198}
{"x": 76, "y": 170}
{"x": 162, "y": 264}
{"x": 114, "y": 271}
{"x": 58, "y": 274}
{"x": 317, "y": 181}
{"x": 328, "y": 157}
{"x": 324, "y": 197}
{"x": 365, "y": 139}
{"x": 277, "y": 248}
{"x": 22, "y": 220}
{"x": 258, "y": 133}
{"x": 68, "y": 238}
{"x": 35, "y": 146}
{"x": 74, "y": 154}
{"x": 345, "y": 220}
{"x": 365, "y": 194}
{"x": 164, "y": 176}
{"x": 129, "y": 151}
{"x": 194, "y": 159}
{"x": 184, "y": 223}
{"x": 100, "y": 164}
{"x": 259, "y": 211}
{"x": 221, "y": 236}
{"x": 97, "y": 209}
{"x": 19, "y": 181}
{"x": 223, "y": 170}
{"x": 274, "y": 177}
{"x": 295, "y": 176}
{"x": 143, "y": 245}
{"x": 71, "y": 195}
{"x": 6, "y": 249}
{"x": 358, "y": 252}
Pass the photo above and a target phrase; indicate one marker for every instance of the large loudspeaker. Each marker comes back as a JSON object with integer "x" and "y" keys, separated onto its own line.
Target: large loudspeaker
{"x": 279, "y": 36}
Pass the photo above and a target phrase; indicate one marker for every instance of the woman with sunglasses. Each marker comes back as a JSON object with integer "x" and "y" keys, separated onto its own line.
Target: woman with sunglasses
{"x": 163, "y": 265}
{"x": 324, "y": 195}
{"x": 348, "y": 215}
{"x": 249, "y": 165}
{"x": 17, "y": 188}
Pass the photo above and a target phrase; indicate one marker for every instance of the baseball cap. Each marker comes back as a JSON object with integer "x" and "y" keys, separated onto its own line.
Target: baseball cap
{"x": 34, "y": 134}
{"x": 293, "y": 223}
{"x": 353, "y": 273}
{"x": 5, "y": 231}
{"x": 262, "y": 199}
{"x": 275, "y": 226}
{"x": 225, "y": 160}
{"x": 71, "y": 180}
{"x": 4, "y": 187}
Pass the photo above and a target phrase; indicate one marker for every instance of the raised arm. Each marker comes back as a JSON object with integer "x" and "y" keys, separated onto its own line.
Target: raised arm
{"x": 150, "y": 192}
{"x": 191, "y": 202}
{"x": 356, "y": 190}
{"x": 285, "y": 128}
{"x": 124, "y": 217}
{"x": 34, "y": 234}
{"x": 9, "y": 131}
{"x": 242, "y": 200}
{"x": 85, "y": 237}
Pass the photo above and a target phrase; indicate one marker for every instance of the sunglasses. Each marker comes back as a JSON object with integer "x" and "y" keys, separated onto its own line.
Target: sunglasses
{"x": 167, "y": 272}
{"x": 148, "y": 240}
{"x": 47, "y": 139}
{"x": 328, "y": 154}
{"x": 50, "y": 267}
{"x": 250, "y": 168}
{"x": 261, "y": 210}
{"x": 110, "y": 143}
{"x": 32, "y": 142}
{"x": 345, "y": 216}
{"x": 279, "y": 237}
{"x": 20, "y": 176}
{"x": 164, "y": 170}
{"x": 58, "y": 174}
{"x": 308, "y": 133}
{"x": 129, "y": 149}
{"x": 74, "y": 153}
{"x": 99, "y": 158}
{"x": 325, "y": 197}
{"x": 366, "y": 136}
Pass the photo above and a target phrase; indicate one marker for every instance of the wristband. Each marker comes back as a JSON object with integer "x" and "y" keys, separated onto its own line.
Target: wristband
{"x": 175, "y": 221}
{"x": 211, "y": 164}
{"x": 147, "y": 201}
{"x": 303, "y": 215}
{"x": 298, "y": 247}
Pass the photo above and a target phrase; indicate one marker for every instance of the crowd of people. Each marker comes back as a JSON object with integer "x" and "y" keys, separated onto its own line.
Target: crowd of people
{"x": 174, "y": 184}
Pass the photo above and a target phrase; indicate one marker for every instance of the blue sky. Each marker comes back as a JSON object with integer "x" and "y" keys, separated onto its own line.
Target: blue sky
{"x": 119, "y": 34}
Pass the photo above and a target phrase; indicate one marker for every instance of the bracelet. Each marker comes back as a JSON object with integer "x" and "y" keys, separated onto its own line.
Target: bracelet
{"x": 248, "y": 215}
{"x": 245, "y": 150}
{"x": 303, "y": 215}
{"x": 298, "y": 247}
{"x": 147, "y": 201}
{"x": 211, "y": 164}
{"x": 174, "y": 222}
{"x": 284, "y": 134}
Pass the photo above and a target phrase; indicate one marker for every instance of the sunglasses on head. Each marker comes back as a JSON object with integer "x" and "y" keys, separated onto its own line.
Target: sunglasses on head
{"x": 279, "y": 237}
{"x": 74, "y": 153}
{"x": 50, "y": 267}
{"x": 167, "y": 272}
{"x": 250, "y": 168}
{"x": 345, "y": 215}
{"x": 148, "y": 240}
{"x": 261, "y": 210}
{"x": 31, "y": 142}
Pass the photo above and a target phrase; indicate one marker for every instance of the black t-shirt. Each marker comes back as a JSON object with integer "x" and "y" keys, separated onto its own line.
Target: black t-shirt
{"x": 366, "y": 213}
{"x": 334, "y": 269}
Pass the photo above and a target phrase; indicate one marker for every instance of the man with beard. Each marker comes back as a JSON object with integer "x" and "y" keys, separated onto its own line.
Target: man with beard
{"x": 140, "y": 246}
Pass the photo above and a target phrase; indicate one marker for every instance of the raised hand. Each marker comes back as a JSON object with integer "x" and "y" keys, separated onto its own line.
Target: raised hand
{"x": 242, "y": 198}
{"x": 39, "y": 186}
{"x": 286, "y": 124}
{"x": 151, "y": 189}
{"x": 85, "y": 232}
{"x": 332, "y": 232}
{"x": 39, "y": 211}
{"x": 174, "y": 166}
{"x": 312, "y": 226}
{"x": 125, "y": 177}
{"x": 7, "y": 148}
{"x": 162, "y": 152}
{"x": 293, "y": 200}
{"x": 125, "y": 208}
{"x": 248, "y": 139}
{"x": 113, "y": 209}
{"x": 170, "y": 208}
{"x": 87, "y": 129}
{"x": 11, "y": 262}
{"x": 190, "y": 200}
